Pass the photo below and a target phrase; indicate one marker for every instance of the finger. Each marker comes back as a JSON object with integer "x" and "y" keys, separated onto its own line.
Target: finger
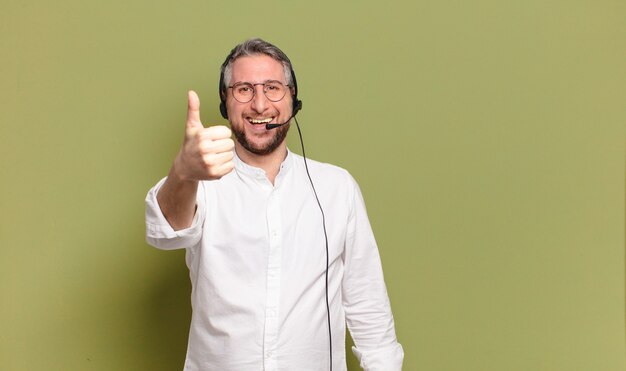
{"x": 218, "y": 159}
{"x": 224, "y": 168}
{"x": 193, "y": 110}
{"x": 217, "y": 146}
{"x": 216, "y": 132}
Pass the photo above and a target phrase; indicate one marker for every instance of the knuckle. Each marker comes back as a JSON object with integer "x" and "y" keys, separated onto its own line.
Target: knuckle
{"x": 209, "y": 161}
{"x": 220, "y": 131}
{"x": 202, "y": 148}
{"x": 205, "y": 146}
{"x": 213, "y": 174}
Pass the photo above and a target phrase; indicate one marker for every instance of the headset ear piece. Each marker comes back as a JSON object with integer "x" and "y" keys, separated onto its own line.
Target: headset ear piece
{"x": 223, "y": 110}
{"x": 222, "y": 90}
{"x": 297, "y": 106}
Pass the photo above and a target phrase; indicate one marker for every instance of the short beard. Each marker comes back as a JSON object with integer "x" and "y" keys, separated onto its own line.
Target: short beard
{"x": 277, "y": 139}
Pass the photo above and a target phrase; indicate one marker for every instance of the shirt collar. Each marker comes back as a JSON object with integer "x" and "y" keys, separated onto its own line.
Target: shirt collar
{"x": 255, "y": 172}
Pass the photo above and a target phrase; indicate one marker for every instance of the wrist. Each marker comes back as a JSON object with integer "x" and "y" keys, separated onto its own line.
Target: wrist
{"x": 178, "y": 173}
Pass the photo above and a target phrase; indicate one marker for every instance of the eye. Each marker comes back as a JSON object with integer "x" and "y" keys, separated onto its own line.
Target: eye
{"x": 273, "y": 86}
{"x": 244, "y": 89}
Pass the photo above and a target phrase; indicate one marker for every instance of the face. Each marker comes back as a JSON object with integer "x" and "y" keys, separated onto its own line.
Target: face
{"x": 248, "y": 120}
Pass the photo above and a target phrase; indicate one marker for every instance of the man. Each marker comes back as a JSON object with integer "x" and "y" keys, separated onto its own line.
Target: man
{"x": 257, "y": 244}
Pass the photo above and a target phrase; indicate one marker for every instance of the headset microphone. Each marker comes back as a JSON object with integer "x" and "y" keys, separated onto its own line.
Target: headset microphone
{"x": 297, "y": 106}
{"x": 274, "y": 126}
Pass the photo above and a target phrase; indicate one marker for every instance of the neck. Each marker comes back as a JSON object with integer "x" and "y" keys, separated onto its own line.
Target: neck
{"x": 270, "y": 163}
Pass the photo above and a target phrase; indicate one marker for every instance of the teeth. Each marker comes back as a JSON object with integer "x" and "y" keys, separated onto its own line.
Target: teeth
{"x": 261, "y": 121}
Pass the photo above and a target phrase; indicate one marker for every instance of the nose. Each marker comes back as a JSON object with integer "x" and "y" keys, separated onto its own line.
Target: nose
{"x": 260, "y": 103}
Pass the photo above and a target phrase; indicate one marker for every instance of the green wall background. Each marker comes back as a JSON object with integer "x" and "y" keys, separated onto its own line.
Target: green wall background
{"x": 488, "y": 138}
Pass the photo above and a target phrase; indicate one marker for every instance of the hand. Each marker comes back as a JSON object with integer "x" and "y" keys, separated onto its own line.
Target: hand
{"x": 206, "y": 153}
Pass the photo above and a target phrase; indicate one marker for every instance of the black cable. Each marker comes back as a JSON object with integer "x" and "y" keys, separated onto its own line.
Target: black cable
{"x": 306, "y": 166}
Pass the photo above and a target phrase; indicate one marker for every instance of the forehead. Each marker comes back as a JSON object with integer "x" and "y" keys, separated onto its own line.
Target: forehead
{"x": 257, "y": 68}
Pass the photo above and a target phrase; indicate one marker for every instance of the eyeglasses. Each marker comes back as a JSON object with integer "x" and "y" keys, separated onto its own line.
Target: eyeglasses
{"x": 243, "y": 92}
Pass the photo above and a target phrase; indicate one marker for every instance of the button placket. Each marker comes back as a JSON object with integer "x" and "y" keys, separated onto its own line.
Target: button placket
{"x": 273, "y": 280}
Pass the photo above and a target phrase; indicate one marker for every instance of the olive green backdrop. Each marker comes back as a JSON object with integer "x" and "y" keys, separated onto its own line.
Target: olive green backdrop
{"x": 488, "y": 138}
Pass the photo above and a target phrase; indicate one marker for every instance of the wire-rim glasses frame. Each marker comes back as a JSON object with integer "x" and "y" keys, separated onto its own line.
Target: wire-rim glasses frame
{"x": 244, "y": 91}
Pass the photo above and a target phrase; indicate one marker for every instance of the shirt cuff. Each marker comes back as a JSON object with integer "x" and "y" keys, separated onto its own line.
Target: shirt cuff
{"x": 381, "y": 359}
{"x": 159, "y": 232}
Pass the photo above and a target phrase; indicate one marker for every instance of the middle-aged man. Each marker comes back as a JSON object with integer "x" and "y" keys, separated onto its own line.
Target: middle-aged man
{"x": 269, "y": 266}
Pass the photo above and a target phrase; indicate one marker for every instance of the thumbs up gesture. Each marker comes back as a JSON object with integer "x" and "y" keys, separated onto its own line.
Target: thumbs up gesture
{"x": 206, "y": 153}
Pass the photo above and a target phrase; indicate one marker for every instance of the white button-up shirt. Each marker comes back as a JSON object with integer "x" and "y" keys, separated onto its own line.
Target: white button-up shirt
{"x": 257, "y": 259}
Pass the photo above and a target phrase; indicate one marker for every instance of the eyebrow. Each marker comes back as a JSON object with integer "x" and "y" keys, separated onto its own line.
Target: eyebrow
{"x": 264, "y": 82}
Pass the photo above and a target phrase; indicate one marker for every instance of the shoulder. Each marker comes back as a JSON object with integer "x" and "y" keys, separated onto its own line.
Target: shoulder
{"x": 324, "y": 171}
{"x": 333, "y": 183}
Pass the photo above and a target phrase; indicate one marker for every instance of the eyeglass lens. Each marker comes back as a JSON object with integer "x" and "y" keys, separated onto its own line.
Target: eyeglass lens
{"x": 243, "y": 92}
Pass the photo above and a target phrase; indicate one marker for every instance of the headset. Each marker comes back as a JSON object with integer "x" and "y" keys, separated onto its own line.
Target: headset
{"x": 297, "y": 106}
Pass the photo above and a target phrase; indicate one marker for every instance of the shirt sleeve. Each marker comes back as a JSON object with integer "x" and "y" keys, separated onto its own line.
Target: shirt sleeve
{"x": 365, "y": 300}
{"x": 160, "y": 234}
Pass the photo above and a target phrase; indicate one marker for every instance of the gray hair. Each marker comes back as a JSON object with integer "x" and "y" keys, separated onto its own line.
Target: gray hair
{"x": 255, "y": 47}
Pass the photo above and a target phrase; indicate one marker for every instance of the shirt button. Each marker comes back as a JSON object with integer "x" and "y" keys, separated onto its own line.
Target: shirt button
{"x": 269, "y": 354}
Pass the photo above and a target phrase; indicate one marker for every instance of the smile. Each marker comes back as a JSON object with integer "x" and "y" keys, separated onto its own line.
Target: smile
{"x": 260, "y": 121}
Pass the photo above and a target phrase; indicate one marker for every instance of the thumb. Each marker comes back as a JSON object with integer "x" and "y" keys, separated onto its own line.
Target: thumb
{"x": 193, "y": 111}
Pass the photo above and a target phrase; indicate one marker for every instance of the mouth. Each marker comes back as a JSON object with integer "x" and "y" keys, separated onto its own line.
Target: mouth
{"x": 260, "y": 121}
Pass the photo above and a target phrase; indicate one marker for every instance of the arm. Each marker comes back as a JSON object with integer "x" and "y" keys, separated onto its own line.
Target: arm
{"x": 206, "y": 154}
{"x": 366, "y": 304}
{"x": 171, "y": 206}
{"x": 177, "y": 200}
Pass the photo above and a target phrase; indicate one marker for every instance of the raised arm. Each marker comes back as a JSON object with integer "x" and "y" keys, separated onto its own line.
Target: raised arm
{"x": 206, "y": 154}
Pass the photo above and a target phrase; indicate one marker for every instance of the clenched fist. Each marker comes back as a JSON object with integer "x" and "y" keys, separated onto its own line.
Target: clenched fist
{"x": 206, "y": 153}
